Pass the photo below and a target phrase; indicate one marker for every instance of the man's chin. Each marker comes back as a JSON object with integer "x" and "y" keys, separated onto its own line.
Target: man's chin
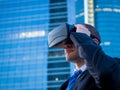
{"x": 73, "y": 60}
{"x": 69, "y": 59}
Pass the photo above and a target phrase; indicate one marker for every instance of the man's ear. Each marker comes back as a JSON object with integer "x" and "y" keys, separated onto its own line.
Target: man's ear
{"x": 96, "y": 41}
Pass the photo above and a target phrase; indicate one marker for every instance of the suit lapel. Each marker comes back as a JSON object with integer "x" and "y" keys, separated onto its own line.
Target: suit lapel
{"x": 64, "y": 85}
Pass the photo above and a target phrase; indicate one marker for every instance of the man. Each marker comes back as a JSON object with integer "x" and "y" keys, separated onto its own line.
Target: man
{"x": 97, "y": 70}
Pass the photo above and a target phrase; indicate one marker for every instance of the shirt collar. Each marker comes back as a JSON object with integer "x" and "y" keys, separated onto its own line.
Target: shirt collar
{"x": 82, "y": 68}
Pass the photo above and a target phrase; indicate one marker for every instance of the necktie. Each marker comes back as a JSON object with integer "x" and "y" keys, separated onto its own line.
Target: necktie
{"x": 73, "y": 78}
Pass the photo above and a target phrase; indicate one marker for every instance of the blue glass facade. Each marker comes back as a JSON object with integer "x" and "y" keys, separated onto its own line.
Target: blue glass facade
{"x": 23, "y": 44}
{"x": 106, "y": 21}
{"x": 107, "y": 14}
{"x": 26, "y": 63}
{"x": 79, "y": 11}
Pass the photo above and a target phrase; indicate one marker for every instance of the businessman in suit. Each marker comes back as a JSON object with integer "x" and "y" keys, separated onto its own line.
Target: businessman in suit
{"x": 98, "y": 71}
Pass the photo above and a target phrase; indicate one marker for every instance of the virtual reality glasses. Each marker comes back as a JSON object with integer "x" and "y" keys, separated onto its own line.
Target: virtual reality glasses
{"x": 60, "y": 35}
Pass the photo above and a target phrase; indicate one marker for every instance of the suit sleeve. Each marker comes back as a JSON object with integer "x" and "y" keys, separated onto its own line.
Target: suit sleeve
{"x": 104, "y": 69}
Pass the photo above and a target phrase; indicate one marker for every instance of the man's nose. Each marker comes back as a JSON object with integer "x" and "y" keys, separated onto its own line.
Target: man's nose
{"x": 66, "y": 46}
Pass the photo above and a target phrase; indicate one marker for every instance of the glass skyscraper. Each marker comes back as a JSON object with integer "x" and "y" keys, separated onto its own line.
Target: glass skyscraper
{"x": 24, "y": 26}
{"x": 104, "y": 15}
{"x": 26, "y": 62}
{"x": 107, "y": 14}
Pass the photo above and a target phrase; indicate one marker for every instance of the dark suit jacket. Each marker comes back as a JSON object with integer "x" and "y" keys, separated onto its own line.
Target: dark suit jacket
{"x": 103, "y": 71}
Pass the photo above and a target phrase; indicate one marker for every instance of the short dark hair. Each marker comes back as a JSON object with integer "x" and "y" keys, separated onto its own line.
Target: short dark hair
{"x": 94, "y": 32}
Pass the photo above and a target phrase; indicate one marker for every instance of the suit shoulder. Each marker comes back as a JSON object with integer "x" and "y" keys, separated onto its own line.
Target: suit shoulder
{"x": 117, "y": 59}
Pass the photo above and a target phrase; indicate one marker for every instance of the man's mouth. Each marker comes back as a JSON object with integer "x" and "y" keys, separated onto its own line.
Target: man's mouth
{"x": 69, "y": 51}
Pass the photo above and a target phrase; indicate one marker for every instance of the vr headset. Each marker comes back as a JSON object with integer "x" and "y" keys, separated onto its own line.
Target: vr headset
{"x": 60, "y": 35}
